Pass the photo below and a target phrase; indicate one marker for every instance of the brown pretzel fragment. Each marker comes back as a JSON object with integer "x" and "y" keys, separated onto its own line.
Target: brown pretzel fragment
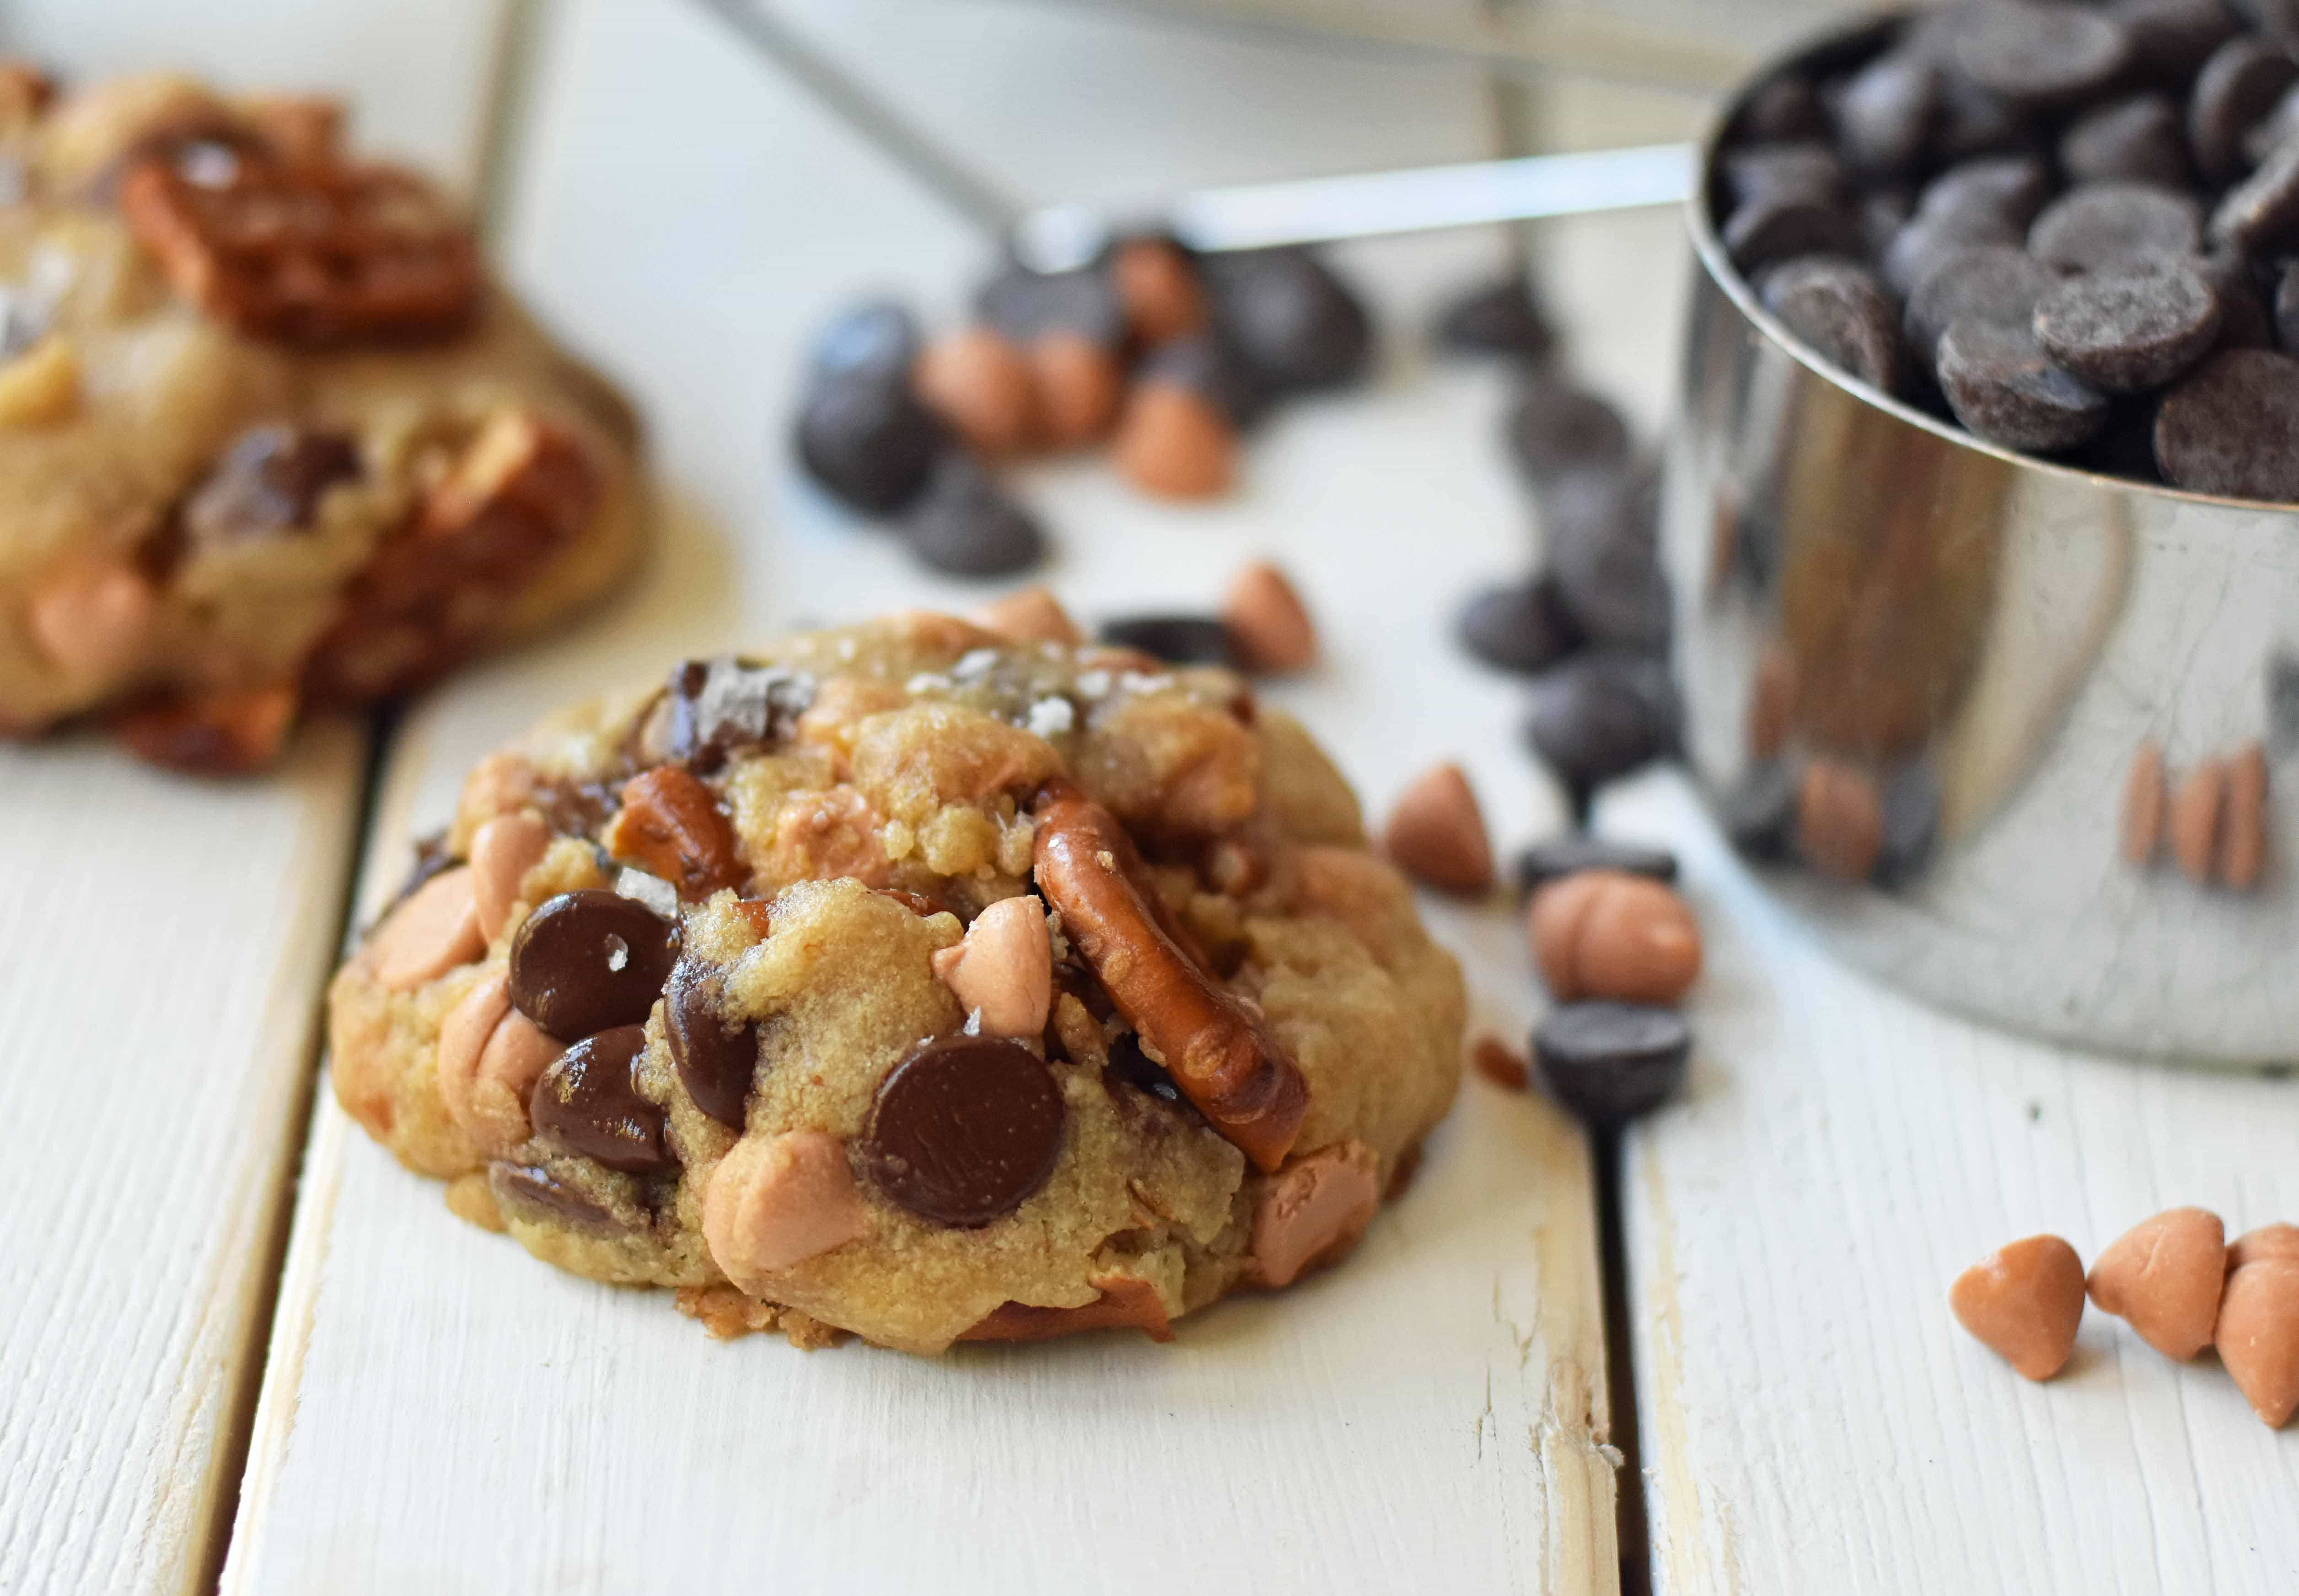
{"x": 671, "y": 825}
{"x": 1219, "y": 1052}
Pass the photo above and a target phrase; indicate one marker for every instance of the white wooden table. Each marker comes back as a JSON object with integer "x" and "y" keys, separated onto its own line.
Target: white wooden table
{"x": 208, "y": 1368}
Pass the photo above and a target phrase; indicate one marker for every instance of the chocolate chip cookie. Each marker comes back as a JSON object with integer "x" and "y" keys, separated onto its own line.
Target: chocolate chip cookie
{"x": 911, "y": 979}
{"x": 271, "y": 436}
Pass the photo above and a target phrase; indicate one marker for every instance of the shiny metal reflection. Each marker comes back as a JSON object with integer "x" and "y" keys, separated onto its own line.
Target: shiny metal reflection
{"x": 1917, "y": 672}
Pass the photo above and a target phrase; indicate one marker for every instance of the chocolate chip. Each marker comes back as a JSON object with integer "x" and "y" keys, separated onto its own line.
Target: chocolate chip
{"x": 715, "y": 1057}
{"x": 587, "y": 1105}
{"x": 1611, "y": 1061}
{"x": 2038, "y": 57}
{"x": 1555, "y": 427}
{"x": 2231, "y": 426}
{"x": 1809, "y": 171}
{"x": 2101, "y": 226}
{"x": 1600, "y": 527}
{"x": 866, "y": 439}
{"x": 2170, "y": 40}
{"x": 1523, "y": 626}
{"x": 963, "y": 1130}
{"x": 879, "y": 337}
{"x": 2138, "y": 140}
{"x": 2261, "y": 214}
{"x": 1843, "y": 312}
{"x": 1781, "y": 108}
{"x": 2001, "y": 385}
{"x": 1911, "y": 808}
{"x": 2287, "y": 308}
{"x": 541, "y": 1193}
{"x": 432, "y": 857}
{"x": 1206, "y": 365}
{"x": 1573, "y": 852}
{"x": 1884, "y": 117}
{"x": 1601, "y": 716}
{"x": 1176, "y": 639}
{"x": 1883, "y": 212}
{"x": 1496, "y": 319}
{"x": 1996, "y": 284}
{"x": 1758, "y": 811}
{"x": 721, "y": 706}
{"x": 269, "y": 482}
{"x": 1781, "y": 227}
{"x": 1973, "y": 122}
{"x": 2239, "y": 85}
{"x": 1986, "y": 202}
{"x": 1296, "y": 325}
{"x": 589, "y": 961}
{"x": 2272, "y": 130}
{"x": 965, "y": 524}
{"x": 1025, "y": 304}
{"x": 2122, "y": 331}
{"x": 1137, "y": 1069}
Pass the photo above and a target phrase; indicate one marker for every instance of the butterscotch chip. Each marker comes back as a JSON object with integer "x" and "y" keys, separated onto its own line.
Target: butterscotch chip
{"x": 1608, "y": 934}
{"x": 1436, "y": 833}
{"x": 1079, "y": 386}
{"x": 2023, "y": 1302}
{"x": 2163, "y": 1276}
{"x": 981, "y": 385}
{"x": 1031, "y": 616}
{"x": 2243, "y": 831}
{"x": 2278, "y": 1240}
{"x": 1159, "y": 289}
{"x": 2196, "y": 811}
{"x": 2258, "y": 1336}
{"x": 1268, "y": 624}
{"x": 1174, "y": 443}
{"x": 1839, "y": 819}
{"x": 2142, "y": 804}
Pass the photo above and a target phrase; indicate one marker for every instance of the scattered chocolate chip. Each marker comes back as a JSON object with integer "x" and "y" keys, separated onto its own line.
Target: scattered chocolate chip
{"x": 879, "y": 337}
{"x": 2259, "y": 215}
{"x": 963, "y": 1130}
{"x": 1295, "y": 325}
{"x": 1758, "y": 811}
{"x": 589, "y": 961}
{"x": 1841, "y": 310}
{"x": 1600, "y": 525}
{"x": 864, "y": 436}
{"x": 538, "y": 1192}
{"x": 1780, "y": 226}
{"x": 1996, "y": 284}
{"x": 2101, "y": 226}
{"x": 2001, "y": 385}
{"x": 1026, "y": 305}
{"x": 1522, "y": 626}
{"x": 1573, "y": 852}
{"x": 1884, "y": 117}
{"x": 1553, "y": 428}
{"x": 965, "y": 524}
{"x": 2042, "y": 57}
{"x": 2124, "y": 331}
{"x": 716, "y": 1058}
{"x": 719, "y": 708}
{"x": 1496, "y": 319}
{"x": 269, "y": 482}
{"x": 1611, "y": 1061}
{"x": 2231, "y": 426}
{"x": 2138, "y": 140}
{"x": 2237, "y": 86}
{"x": 1137, "y": 1069}
{"x": 587, "y": 1105}
{"x": 1601, "y": 716}
{"x": 1176, "y": 639}
{"x": 1808, "y": 171}
{"x": 1206, "y": 365}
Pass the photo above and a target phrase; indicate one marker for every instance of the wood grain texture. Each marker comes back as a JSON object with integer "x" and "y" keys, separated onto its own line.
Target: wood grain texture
{"x": 1813, "y": 1416}
{"x": 444, "y": 1413}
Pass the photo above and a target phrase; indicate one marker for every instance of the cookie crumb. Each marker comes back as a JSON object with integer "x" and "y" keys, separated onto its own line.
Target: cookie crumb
{"x": 808, "y": 1333}
{"x": 724, "y": 1312}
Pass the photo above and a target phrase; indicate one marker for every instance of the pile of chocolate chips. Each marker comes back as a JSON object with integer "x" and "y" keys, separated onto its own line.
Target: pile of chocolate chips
{"x": 2072, "y": 229}
{"x": 1168, "y": 356}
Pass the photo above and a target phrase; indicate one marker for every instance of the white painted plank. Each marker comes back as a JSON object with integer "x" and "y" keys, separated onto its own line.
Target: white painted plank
{"x": 164, "y": 942}
{"x": 443, "y": 1413}
{"x": 1813, "y": 1417}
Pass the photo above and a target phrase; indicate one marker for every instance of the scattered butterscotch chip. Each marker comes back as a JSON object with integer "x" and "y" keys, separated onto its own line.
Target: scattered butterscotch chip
{"x": 2142, "y": 804}
{"x": 1436, "y": 833}
{"x": 2277, "y": 1240}
{"x": 1172, "y": 442}
{"x": 1079, "y": 386}
{"x": 978, "y": 383}
{"x": 2196, "y": 808}
{"x": 2258, "y": 1336}
{"x": 1158, "y": 289}
{"x": 1772, "y": 701}
{"x": 2163, "y": 1276}
{"x": 1268, "y": 624}
{"x": 2243, "y": 827}
{"x": 1501, "y": 1063}
{"x": 1839, "y": 819}
{"x": 1609, "y": 934}
{"x": 1031, "y": 616}
{"x": 2023, "y": 1302}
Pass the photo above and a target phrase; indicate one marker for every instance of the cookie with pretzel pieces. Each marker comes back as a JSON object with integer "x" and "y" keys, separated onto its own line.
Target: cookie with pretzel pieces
{"x": 271, "y": 438}
{"x": 914, "y": 981}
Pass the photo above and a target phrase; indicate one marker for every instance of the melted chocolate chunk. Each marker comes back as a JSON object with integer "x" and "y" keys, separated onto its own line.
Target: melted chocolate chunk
{"x": 537, "y": 1190}
{"x": 721, "y": 706}
{"x": 590, "y": 961}
{"x": 267, "y": 483}
{"x": 716, "y": 1057}
{"x": 963, "y": 1130}
{"x": 588, "y": 1104}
